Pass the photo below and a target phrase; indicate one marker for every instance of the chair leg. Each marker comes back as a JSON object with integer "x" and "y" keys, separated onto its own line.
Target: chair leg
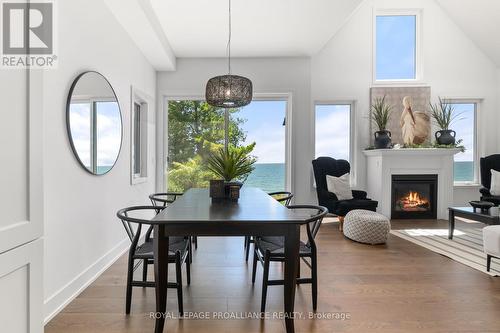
{"x": 254, "y": 266}
{"x": 130, "y": 275}
{"x": 195, "y": 241}
{"x": 178, "y": 272}
{"x": 298, "y": 268}
{"x": 247, "y": 249}
{"x": 145, "y": 270}
{"x": 488, "y": 262}
{"x": 341, "y": 223}
{"x": 245, "y": 244}
{"x": 190, "y": 251}
{"x": 314, "y": 276}
{"x": 265, "y": 279}
{"x": 188, "y": 268}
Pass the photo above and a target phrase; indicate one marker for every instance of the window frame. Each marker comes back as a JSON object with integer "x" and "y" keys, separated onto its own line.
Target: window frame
{"x": 143, "y": 101}
{"x": 476, "y": 155}
{"x": 418, "y": 46}
{"x": 163, "y": 134}
{"x": 352, "y": 154}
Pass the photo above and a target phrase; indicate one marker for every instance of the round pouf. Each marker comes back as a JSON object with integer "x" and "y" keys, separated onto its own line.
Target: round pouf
{"x": 367, "y": 227}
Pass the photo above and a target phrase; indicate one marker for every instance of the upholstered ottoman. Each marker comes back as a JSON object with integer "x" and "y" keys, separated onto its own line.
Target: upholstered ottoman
{"x": 367, "y": 227}
{"x": 491, "y": 241}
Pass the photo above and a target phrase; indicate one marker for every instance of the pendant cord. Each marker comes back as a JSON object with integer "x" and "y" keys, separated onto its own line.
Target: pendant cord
{"x": 229, "y": 42}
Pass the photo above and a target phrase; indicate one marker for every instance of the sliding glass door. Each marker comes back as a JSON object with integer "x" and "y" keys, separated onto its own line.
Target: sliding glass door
{"x": 195, "y": 129}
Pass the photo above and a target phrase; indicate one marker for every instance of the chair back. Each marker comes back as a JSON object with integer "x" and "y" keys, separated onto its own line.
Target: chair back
{"x": 283, "y": 197}
{"x": 316, "y": 213}
{"x": 486, "y": 164}
{"x": 323, "y": 166}
{"x": 127, "y": 220}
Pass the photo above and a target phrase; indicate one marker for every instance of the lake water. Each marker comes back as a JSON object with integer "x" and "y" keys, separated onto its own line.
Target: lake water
{"x": 270, "y": 177}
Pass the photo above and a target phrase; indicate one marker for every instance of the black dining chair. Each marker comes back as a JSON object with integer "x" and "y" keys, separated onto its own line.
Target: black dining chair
{"x": 178, "y": 252}
{"x": 282, "y": 197}
{"x": 166, "y": 198}
{"x": 268, "y": 249}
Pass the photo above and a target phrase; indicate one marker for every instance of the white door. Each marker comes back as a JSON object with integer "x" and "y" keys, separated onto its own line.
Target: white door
{"x": 21, "y": 195}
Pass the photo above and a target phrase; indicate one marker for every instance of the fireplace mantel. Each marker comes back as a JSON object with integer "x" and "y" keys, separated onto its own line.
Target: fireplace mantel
{"x": 383, "y": 163}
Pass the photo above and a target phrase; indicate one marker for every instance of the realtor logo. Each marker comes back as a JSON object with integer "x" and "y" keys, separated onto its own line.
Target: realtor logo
{"x": 28, "y": 34}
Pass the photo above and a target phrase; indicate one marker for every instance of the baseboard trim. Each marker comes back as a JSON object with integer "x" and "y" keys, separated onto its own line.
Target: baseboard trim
{"x": 58, "y": 301}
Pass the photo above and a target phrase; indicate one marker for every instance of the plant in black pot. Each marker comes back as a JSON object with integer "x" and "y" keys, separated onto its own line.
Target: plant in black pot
{"x": 444, "y": 114}
{"x": 233, "y": 164}
{"x": 380, "y": 115}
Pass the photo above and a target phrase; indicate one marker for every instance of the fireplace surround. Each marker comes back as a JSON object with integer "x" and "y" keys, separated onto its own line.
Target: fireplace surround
{"x": 414, "y": 196}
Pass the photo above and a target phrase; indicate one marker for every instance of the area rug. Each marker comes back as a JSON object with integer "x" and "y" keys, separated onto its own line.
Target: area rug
{"x": 466, "y": 247}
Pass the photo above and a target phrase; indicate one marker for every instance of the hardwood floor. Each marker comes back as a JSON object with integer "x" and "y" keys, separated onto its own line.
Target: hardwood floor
{"x": 397, "y": 287}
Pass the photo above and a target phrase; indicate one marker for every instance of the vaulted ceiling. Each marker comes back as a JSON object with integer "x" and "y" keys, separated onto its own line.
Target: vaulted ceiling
{"x": 167, "y": 29}
{"x": 480, "y": 20}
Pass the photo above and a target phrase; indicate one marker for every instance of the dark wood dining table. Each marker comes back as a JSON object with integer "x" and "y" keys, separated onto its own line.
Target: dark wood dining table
{"x": 255, "y": 213}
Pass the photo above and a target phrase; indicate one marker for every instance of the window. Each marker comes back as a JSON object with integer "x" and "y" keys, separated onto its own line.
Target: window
{"x": 94, "y": 124}
{"x": 396, "y": 47}
{"x": 465, "y": 164}
{"x": 139, "y": 142}
{"x": 196, "y": 128}
{"x": 333, "y": 130}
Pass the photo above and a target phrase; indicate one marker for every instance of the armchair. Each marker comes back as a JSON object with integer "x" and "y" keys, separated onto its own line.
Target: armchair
{"x": 486, "y": 164}
{"x": 323, "y": 166}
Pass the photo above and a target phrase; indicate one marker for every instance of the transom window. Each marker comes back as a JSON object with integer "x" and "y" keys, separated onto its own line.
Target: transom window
{"x": 396, "y": 43}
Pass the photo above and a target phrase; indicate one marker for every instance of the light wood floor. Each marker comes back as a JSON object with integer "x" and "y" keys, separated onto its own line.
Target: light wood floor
{"x": 397, "y": 287}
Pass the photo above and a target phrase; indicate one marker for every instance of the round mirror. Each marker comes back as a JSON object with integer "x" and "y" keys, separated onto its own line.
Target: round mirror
{"x": 94, "y": 122}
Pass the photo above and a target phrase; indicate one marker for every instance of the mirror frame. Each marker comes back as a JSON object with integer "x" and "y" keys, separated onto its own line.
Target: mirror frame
{"x": 68, "y": 127}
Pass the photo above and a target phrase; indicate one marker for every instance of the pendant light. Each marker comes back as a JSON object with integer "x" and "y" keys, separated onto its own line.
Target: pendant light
{"x": 229, "y": 91}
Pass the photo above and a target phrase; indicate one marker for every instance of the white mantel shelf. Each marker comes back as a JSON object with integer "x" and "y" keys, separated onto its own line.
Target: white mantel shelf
{"x": 383, "y": 163}
{"x": 412, "y": 151}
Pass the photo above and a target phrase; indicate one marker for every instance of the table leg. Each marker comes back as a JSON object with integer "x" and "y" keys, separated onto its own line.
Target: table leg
{"x": 161, "y": 273}
{"x": 292, "y": 241}
{"x": 451, "y": 223}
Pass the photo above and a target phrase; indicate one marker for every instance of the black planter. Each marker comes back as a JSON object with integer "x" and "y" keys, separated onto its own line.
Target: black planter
{"x": 445, "y": 137}
{"x": 383, "y": 139}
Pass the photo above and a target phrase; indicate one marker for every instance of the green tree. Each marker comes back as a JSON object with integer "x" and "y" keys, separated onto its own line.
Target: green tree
{"x": 195, "y": 129}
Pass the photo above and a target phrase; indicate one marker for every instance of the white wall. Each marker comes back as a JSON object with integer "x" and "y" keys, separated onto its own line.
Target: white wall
{"x": 453, "y": 66}
{"x": 269, "y": 75}
{"x": 82, "y": 233}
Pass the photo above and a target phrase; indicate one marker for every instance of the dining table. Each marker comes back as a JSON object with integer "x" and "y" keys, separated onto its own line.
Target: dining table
{"x": 255, "y": 213}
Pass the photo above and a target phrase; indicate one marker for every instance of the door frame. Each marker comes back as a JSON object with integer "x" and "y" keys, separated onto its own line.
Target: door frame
{"x": 162, "y": 134}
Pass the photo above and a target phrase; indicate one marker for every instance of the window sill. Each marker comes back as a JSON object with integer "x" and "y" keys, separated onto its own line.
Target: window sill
{"x": 392, "y": 83}
{"x": 466, "y": 185}
{"x": 138, "y": 180}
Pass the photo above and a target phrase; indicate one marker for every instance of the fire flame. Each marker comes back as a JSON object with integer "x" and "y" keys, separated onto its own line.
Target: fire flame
{"x": 413, "y": 200}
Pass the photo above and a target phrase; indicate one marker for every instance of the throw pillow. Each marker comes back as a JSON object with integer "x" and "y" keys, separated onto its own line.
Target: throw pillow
{"x": 495, "y": 182}
{"x": 340, "y": 186}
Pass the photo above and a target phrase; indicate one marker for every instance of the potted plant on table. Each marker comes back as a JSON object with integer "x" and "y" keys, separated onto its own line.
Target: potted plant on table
{"x": 444, "y": 114}
{"x": 380, "y": 115}
{"x": 233, "y": 165}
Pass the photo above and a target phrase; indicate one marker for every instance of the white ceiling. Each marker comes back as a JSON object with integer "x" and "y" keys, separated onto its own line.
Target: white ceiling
{"x": 261, "y": 28}
{"x": 480, "y": 20}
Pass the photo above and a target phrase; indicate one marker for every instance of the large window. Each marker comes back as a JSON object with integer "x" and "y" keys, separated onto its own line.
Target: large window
{"x": 333, "y": 130}
{"x": 196, "y": 128}
{"x": 396, "y": 44}
{"x": 465, "y": 126}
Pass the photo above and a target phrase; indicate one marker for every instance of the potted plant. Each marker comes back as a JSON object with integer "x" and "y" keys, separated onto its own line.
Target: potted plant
{"x": 444, "y": 114}
{"x": 232, "y": 164}
{"x": 381, "y": 112}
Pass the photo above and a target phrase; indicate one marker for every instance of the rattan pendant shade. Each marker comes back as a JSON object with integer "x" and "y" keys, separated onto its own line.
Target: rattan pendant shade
{"x": 229, "y": 91}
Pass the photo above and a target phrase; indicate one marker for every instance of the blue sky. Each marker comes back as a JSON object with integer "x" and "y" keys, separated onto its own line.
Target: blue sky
{"x": 396, "y": 40}
{"x": 464, "y": 126}
{"x": 332, "y": 131}
{"x": 264, "y": 126}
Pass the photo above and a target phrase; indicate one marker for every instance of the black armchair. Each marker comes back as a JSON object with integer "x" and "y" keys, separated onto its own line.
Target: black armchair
{"x": 323, "y": 166}
{"x": 486, "y": 164}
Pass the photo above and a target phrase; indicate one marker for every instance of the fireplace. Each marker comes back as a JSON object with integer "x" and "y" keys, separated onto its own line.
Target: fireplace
{"x": 414, "y": 197}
